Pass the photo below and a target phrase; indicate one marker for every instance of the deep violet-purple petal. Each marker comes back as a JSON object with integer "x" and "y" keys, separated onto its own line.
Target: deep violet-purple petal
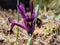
{"x": 31, "y": 7}
{"x": 21, "y": 10}
{"x": 16, "y": 23}
{"x": 33, "y": 16}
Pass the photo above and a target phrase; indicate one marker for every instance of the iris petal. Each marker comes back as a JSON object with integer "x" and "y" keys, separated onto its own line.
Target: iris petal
{"x": 21, "y": 10}
{"x": 20, "y": 25}
{"x": 31, "y": 7}
{"x": 16, "y": 23}
{"x": 33, "y": 16}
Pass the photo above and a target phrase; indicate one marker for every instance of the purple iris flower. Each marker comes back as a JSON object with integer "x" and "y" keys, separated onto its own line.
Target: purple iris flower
{"x": 28, "y": 21}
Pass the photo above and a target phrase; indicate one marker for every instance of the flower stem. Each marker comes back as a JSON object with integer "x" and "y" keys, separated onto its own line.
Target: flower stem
{"x": 40, "y": 2}
{"x": 17, "y": 31}
{"x": 29, "y": 40}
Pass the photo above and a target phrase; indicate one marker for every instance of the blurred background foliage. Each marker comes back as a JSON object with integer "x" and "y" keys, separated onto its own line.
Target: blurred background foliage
{"x": 54, "y": 4}
{"x": 50, "y": 5}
